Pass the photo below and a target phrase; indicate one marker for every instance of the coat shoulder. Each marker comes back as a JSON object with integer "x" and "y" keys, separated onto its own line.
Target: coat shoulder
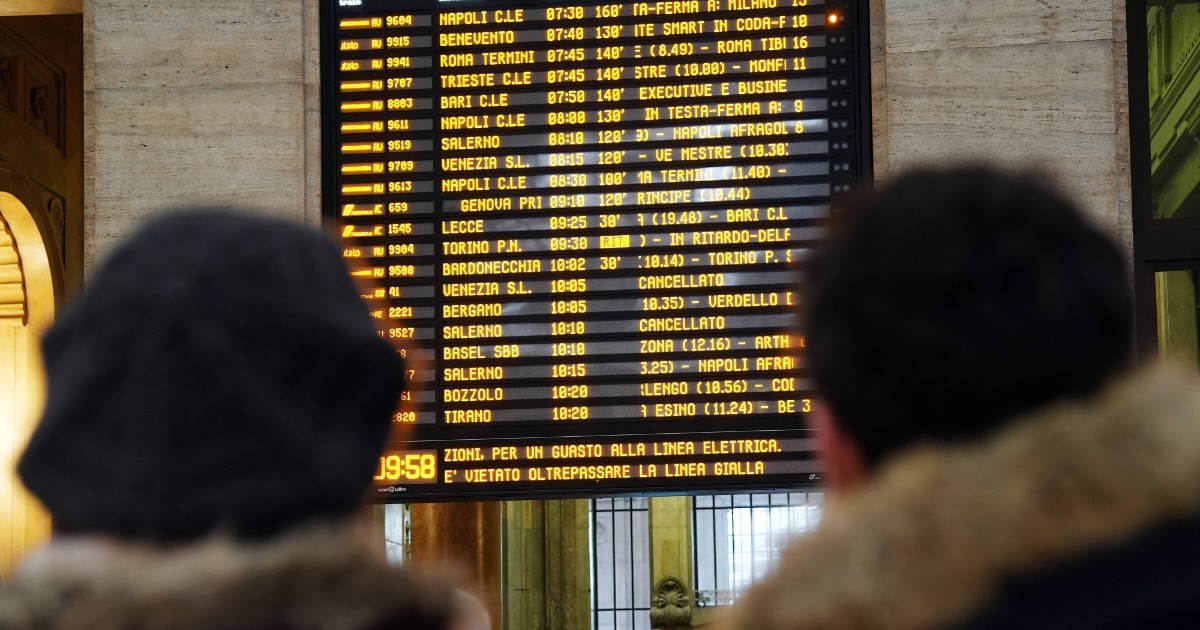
{"x": 944, "y": 531}
{"x": 311, "y": 582}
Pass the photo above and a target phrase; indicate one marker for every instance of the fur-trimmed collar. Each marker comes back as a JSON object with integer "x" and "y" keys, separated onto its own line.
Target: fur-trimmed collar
{"x": 932, "y": 539}
{"x": 325, "y": 580}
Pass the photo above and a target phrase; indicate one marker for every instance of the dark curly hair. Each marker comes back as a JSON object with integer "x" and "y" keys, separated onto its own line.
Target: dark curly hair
{"x": 952, "y": 299}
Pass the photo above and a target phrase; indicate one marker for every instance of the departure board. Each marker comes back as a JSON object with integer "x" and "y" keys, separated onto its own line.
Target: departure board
{"x": 593, "y": 218}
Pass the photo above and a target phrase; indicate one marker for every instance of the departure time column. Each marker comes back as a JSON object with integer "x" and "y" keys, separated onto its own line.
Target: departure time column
{"x": 568, "y": 244}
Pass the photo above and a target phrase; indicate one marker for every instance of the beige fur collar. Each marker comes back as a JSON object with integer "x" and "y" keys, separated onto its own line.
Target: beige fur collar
{"x": 933, "y": 537}
{"x": 322, "y": 579}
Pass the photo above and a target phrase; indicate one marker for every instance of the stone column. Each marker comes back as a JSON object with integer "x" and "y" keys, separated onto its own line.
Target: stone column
{"x": 671, "y": 538}
{"x": 465, "y": 536}
{"x": 547, "y": 565}
{"x": 671, "y": 551}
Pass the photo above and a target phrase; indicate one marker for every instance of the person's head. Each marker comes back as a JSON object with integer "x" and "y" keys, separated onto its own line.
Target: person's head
{"x": 220, "y": 374}
{"x": 951, "y": 300}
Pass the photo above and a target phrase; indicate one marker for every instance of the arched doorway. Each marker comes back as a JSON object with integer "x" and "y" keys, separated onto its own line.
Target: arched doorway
{"x": 41, "y": 226}
{"x": 29, "y": 294}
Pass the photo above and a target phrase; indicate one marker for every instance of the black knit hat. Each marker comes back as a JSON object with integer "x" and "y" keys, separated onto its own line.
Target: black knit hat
{"x": 220, "y": 373}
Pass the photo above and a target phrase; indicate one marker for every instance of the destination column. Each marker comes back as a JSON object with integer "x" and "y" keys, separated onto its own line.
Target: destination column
{"x": 480, "y": 269}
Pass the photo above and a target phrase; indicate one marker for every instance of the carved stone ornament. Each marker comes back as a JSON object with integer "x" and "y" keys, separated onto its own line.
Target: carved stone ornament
{"x": 671, "y": 605}
{"x": 37, "y": 103}
{"x": 57, "y": 216}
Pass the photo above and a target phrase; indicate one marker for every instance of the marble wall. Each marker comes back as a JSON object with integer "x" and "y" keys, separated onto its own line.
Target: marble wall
{"x": 191, "y": 101}
{"x": 1028, "y": 82}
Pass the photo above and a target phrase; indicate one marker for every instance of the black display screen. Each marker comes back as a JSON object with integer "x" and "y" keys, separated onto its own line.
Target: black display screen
{"x": 593, "y": 216}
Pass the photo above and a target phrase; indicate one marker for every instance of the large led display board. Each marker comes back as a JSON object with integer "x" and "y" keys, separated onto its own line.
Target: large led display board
{"x": 594, "y": 217}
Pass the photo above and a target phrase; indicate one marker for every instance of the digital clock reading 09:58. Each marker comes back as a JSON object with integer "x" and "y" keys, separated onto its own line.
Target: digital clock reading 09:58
{"x": 409, "y": 467}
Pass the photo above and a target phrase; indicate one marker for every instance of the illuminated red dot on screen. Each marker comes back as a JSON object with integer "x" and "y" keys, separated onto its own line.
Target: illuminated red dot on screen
{"x": 833, "y": 18}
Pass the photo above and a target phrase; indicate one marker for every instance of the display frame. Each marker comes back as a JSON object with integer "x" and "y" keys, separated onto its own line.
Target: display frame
{"x": 667, "y": 439}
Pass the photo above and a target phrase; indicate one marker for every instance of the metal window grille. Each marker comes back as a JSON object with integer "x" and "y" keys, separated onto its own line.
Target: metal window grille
{"x": 739, "y": 538}
{"x": 621, "y": 564}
